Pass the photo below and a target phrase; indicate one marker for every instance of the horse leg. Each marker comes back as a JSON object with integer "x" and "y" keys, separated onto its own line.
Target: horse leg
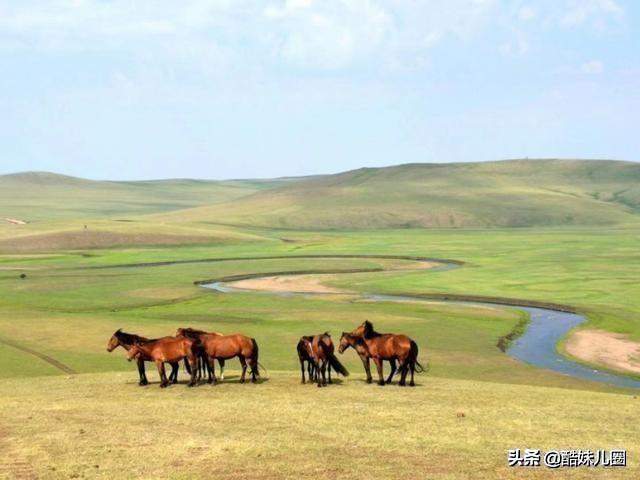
{"x": 329, "y": 372}
{"x": 163, "y": 375}
{"x": 207, "y": 366}
{"x": 404, "y": 368}
{"x": 302, "y": 371}
{"x": 378, "y": 363}
{"x": 367, "y": 368}
{"x": 193, "y": 361}
{"x": 173, "y": 376}
{"x": 212, "y": 366}
{"x": 143, "y": 376}
{"x": 221, "y": 362}
{"x": 319, "y": 373}
{"x": 243, "y": 363}
{"x": 392, "y": 362}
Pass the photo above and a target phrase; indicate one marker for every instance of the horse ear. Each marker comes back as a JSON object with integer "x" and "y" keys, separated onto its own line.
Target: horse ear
{"x": 119, "y": 330}
{"x": 327, "y": 334}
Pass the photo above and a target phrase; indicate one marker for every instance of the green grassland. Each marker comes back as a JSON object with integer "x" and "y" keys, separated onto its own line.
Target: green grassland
{"x": 42, "y": 196}
{"x": 473, "y": 404}
{"x": 491, "y": 194}
{"x": 71, "y": 302}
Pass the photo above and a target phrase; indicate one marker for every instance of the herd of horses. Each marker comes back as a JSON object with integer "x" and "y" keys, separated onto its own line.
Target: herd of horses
{"x": 201, "y": 350}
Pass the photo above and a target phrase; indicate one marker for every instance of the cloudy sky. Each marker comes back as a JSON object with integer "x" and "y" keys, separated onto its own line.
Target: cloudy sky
{"x": 124, "y": 89}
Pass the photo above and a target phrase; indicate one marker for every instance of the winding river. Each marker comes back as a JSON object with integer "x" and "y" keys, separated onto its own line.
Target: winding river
{"x": 536, "y": 346}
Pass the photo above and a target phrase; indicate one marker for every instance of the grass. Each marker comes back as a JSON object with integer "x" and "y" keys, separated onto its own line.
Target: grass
{"x": 42, "y": 196}
{"x": 54, "y": 425}
{"x": 105, "y": 426}
{"x": 517, "y": 193}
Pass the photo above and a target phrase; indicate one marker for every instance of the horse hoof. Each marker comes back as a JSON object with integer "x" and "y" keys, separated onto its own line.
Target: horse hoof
{"x": 412, "y": 384}
{"x": 369, "y": 380}
{"x": 382, "y": 384}
{"x": 163, "y": 385}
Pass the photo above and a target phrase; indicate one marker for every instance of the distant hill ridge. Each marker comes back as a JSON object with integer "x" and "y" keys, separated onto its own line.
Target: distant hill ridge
{"x": 507, "y": 193}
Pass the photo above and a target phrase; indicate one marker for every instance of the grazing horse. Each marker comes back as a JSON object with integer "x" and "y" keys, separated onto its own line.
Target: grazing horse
{"x": 348, "y": 340}
{"x": 322, "y": 351}
{"x": 167, "y": 349}
{"x": 228, "y": 346}
{"x": 203, "y": 364}
{"x": 126, "y": 341}
{"x": 388, "y": 346}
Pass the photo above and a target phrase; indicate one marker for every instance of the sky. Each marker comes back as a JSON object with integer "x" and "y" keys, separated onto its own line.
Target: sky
{"x": 121, "y": 89}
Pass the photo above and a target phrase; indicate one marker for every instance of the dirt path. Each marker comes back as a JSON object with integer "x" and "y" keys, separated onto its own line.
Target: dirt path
{"x": 610, "y": 349}
{"x": 50, "y": 360}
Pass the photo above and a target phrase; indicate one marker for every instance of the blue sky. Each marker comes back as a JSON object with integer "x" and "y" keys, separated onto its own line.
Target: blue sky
{"x": 236, "y": 89}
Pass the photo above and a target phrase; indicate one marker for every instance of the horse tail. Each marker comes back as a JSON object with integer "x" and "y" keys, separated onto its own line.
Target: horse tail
{"x": 414, "y": 358}
{"x": 336, "y": 365}
{"x": 263, "y": 367}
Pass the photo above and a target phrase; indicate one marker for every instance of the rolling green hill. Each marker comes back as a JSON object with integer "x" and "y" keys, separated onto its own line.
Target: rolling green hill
{"x": 43, "y": 196}
{"x": 512, "y": 193}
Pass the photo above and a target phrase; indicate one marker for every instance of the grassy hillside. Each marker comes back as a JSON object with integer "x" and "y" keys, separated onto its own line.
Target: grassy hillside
{"x": 42, "y": 196}
{"x": 514, "y": 193}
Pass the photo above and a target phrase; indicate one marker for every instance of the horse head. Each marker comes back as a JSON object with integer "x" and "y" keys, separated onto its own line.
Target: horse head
{"x": 114, "y": 341}
{"x": 346, "y": 341}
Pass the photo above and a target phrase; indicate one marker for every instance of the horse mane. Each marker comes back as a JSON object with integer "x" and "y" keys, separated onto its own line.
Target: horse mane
{"x": 130, "y": 338}
{"x": 369, "y": 332}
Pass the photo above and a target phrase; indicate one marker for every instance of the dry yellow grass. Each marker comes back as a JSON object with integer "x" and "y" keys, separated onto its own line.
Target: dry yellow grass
{"x": 105, "y": 426}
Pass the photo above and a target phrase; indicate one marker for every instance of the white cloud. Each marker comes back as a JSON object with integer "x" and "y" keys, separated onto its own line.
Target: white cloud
{"x": 304, "y": 34}
{"x": 598, "y": 12}
{"x": 592, "y": 67}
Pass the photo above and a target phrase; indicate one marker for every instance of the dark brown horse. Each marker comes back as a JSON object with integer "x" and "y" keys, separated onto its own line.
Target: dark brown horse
{"x": 167, "y": 349}
{"x": 323, "y": 355}
{"x": 203, "y": 364}
{"x": 305, "y": 354}
{"x": 347, "y": 340}
{"x": 229, "y": 346}
{"x": 126, "y": 341}
{"x": 388, "y": 346}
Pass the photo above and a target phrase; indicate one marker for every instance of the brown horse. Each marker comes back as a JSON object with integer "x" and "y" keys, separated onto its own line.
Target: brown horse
{"x": 388, "y": 346}
{"x": 229, "y": 346}
{"x": 305, "y": 354}
{"x": 322, "y": 351}
{"x": 203, "y": 364}
{"x": 126, "y": 341}
{"x": 167, "y": 349}
{"x": 347, "y": 340}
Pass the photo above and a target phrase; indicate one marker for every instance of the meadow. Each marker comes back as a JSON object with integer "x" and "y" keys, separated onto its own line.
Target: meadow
{"x": 474, "y": 403}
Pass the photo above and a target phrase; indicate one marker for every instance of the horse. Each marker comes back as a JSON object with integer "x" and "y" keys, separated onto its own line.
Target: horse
{"x": 126, "y": 341}
{"x": 323, "y": 356}
{"x": 225, "y": 347}
{"x": 167, "y": 349}
{"x": 388, "y": 346}
{"x": 203, "y": 364}
{"x": 347, "y": 340}
{"x": 305, "y": 354}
